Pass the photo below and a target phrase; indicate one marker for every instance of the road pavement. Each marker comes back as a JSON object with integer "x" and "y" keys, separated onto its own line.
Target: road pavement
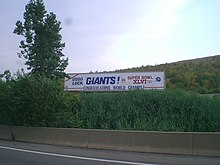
{"x": 20, "y": 153}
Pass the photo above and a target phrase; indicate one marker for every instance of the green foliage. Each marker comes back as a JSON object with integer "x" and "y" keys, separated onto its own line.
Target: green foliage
{"x": 199, "y": 75}
{"x": 36, "y": 101}
{"x": 150, "y": 111}
{"x": 42, "y": 47}
{"x": 4, "y": 100}
{"x": 6, "y": 75}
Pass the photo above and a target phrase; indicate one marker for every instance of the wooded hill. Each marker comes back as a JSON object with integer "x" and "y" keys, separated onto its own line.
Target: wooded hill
{"x": 200, "y": 75}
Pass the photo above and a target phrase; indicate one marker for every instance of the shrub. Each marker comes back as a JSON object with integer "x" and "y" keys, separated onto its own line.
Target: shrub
{"x": 39, "y": 101}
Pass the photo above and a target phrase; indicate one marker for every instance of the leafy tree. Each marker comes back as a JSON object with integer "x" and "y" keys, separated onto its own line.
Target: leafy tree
{"x": 6, "y": 75}
{"x": 42, "y": 46}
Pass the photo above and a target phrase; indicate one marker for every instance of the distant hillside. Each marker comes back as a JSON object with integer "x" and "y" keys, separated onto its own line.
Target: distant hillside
{"x": 198, "y": 60}
{"x": 200, "y": 75}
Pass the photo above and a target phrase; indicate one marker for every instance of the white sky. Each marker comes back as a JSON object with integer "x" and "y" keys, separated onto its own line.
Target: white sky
{"x": 107, "y": 35}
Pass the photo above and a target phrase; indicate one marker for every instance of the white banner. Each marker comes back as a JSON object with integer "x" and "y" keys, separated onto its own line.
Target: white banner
{"x": 115, "y": 81}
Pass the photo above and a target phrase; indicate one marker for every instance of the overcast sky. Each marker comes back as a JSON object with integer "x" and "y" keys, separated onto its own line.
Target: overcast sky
{"x": 107, "y": 35}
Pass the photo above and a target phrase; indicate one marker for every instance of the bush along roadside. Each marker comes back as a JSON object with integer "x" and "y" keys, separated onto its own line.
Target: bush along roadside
{"x": 35, "y": 100}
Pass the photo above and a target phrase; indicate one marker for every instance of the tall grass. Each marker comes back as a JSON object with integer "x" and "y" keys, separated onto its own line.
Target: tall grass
{"x": 169, "y": 110}
{"x": 38, "y": 101}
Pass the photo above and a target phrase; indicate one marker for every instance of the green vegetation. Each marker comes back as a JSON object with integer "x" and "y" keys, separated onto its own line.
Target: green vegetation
{"x": 32, "y": 100}
{"x": 37, "y": 98}
{"x": 42, "y": 46}
{"x": 199, "y": 75}
{"x": 36, "y": 101}
{"x": 167, "y": 110}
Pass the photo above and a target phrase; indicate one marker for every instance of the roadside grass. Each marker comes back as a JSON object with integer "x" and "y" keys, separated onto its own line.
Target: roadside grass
{"x": 168, "y": 110}
{"x": 41, "y": 102}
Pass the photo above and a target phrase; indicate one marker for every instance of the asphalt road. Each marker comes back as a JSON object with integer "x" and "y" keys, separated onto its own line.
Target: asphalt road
{"x": 19, "y": 153}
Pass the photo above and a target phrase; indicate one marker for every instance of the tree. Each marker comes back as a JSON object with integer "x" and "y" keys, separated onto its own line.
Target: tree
{"x": 6, "y": 75}
{"x": 42, "y": 46}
